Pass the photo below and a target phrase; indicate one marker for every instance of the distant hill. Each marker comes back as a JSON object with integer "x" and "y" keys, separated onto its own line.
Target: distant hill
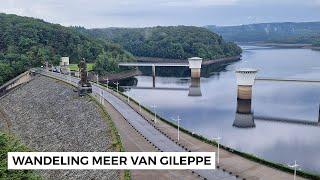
{"x": 286, "y": 32}
{"x": 27, "y": 42}
{"x": 175, "y": 42}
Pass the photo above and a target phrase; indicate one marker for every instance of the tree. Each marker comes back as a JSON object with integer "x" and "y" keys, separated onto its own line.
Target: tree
{"x": 28, "y": 42}
{"x": 176, "y": 42}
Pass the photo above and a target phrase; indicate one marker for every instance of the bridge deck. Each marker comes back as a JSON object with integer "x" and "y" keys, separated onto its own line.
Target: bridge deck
{"x": 155, "y": 64}
{"x": 156, "y": 88}
{"x": 286, "y": 120}
{"x": 287, "y": 80}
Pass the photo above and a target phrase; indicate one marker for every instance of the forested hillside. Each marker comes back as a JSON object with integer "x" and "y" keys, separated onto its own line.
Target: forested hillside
{"x": 176, "y": 42}
{"x": 27, "y": 42}
{"x": 287, "y": 32}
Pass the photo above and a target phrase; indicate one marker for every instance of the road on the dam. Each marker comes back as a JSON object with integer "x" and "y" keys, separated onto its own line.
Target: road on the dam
{"x": 146, "y": 129}
{"x": 163, "y": 136}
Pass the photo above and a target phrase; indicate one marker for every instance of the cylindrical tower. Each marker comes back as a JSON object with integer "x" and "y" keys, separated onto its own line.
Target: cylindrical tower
{"x": 245, "y": 80}
{"x": 195, "y": 66}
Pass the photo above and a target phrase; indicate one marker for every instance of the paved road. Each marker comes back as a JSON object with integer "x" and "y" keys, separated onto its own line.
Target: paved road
{"x": 146, "y": 129}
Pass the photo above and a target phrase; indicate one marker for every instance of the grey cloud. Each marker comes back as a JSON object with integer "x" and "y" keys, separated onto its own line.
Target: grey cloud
{"x": 129, "y": 13}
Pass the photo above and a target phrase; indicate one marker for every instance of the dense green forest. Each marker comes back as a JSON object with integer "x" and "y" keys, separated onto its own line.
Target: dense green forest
{"x": 28, "y": 42}
{"x": 176, "y": 42}
{"x": 286, "y": 32}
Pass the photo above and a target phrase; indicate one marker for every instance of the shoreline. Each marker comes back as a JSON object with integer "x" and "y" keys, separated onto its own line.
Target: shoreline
{"x": 204, "y": 62}
{"x": 283, "y": 45}
{"x": 135, "y": 72}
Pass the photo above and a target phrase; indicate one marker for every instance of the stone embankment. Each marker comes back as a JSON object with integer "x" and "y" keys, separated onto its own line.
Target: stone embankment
{"x": 47, "y": 115}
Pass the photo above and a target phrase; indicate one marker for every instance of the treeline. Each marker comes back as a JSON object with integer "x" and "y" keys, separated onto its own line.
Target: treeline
{"x": 28, "y": 42}
{"x": 175, "y": 42}
{"x": 286, "y": 32}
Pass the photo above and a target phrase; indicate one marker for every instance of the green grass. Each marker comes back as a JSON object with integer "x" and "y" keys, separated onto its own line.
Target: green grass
{"x": 10, "y": 144}
{"x": 74, "y": 67}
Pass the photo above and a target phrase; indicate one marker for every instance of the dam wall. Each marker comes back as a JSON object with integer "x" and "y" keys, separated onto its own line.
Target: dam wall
{"x": 21, "y": 79}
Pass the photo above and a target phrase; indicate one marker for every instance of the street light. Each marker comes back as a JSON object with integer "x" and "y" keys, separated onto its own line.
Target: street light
{"x": 137, "y": 99}
{"x": 139, "y": 106}
{"x": 69, "y": 77}
{"x": 101, "y": 96}
{"x": 217, "y": 139}
{"x": 178, "y": 120}
{"x": 155, "y": 113}
{"x": 97, "y": 76}
{"x": 295, "y": 165}
{"x": 107, "y": 83}
{"x": 128, "y": 96}
{"x": 117, "y": 83}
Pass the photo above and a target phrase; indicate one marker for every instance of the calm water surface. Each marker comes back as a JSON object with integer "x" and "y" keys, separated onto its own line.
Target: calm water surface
{"x": 214, "y": 113}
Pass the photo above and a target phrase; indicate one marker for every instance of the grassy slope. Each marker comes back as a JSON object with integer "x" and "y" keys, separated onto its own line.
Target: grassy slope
{"x": 9, "y": 144}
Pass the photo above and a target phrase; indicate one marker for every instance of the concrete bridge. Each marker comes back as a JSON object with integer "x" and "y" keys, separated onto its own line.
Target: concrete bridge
{"x": 193, "y": 90}
{"x": 155, "y": 88}
{"x": 246, "y": 119}
{"x": 246, "y": 78}
{"x": 194, "y": 64}
{"x": 287, "y": 80}
{"x": 137, "y": 64}
{"x": 288, "y": 120}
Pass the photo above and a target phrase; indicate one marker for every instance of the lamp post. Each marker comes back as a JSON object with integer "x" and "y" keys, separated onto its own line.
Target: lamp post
{"x": 155, "y": 113}
{"x": 295, "y": 165}
{"x": 117, "y": 83}
{"x": 69, "y": 77}
{"x": 101, "y": 96}
{"x": 128, "y": 97}
{"x": 178, "y": 121}
{"x": 107, "y": 83}
{"x": 139, "y": 104}
{"x": 217, "y": 139}
{"x": 138, "y": 101}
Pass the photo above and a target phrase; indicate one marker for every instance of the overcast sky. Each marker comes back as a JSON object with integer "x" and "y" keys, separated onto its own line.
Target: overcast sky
{"x": 140, "y": 13}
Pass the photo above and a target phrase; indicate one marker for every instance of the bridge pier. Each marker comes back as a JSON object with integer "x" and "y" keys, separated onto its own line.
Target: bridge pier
{"x": 244, "y": 117}
{"x": 319, "y": 115}
{"x": 194, "y": 89}
{"x": 195, "y": 66}
{"x": 245, "y": 80}
{"x": 153, "y": 75}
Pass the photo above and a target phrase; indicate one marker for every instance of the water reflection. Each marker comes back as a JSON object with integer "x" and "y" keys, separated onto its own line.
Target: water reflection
{"x": 244, "y": 116}
{"x": 194, "y": 89}
{"x": 215, "y": 110}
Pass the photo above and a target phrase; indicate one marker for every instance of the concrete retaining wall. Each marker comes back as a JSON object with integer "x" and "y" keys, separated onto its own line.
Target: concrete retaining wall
{"x": 21, "y": 79}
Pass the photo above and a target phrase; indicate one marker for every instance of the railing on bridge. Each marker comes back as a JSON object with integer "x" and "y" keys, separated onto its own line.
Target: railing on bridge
{"x": 154, "y": 64}
{"x": 287, "y": 80}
